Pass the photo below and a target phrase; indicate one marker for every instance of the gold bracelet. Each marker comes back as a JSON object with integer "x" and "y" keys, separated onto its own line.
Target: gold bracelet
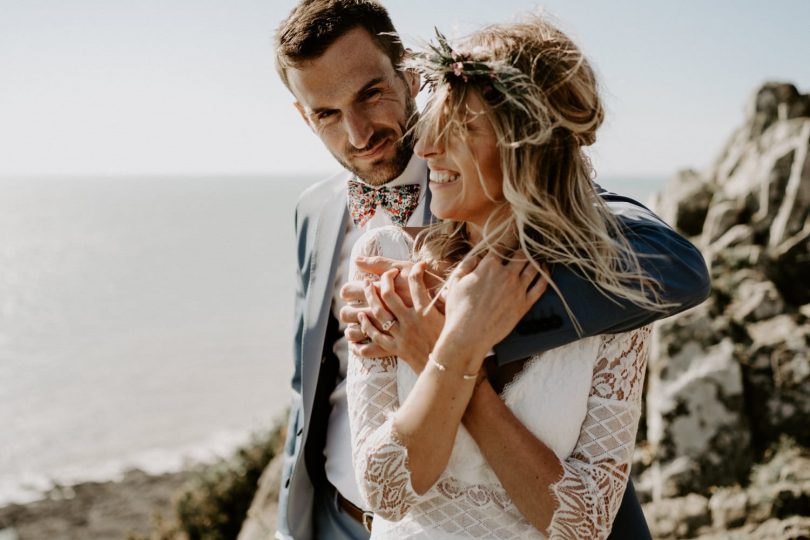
{"x": 442, "y": 367}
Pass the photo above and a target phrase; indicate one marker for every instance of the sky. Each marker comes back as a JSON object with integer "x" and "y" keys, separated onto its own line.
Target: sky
{"x": 188, "y": 87}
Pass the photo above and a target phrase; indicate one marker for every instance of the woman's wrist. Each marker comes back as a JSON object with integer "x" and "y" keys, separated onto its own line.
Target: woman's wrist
{"x": 458, "y": 355}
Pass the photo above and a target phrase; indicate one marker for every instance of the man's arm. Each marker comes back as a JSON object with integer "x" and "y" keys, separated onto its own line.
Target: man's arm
{"x": 664, "y": 255}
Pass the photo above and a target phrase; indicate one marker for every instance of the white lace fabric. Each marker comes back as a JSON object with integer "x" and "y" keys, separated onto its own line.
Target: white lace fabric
{"x": 582, "y": 400}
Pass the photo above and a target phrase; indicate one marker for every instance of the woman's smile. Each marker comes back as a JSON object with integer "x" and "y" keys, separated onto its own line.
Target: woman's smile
{"x": 439, "y": 176}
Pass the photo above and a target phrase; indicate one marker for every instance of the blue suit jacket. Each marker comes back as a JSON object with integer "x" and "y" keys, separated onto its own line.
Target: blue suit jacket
{"x": 319, "y": 224}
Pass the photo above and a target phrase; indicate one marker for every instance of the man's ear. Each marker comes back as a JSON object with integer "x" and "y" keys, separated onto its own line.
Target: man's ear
{"x": 413, "y": 79}
{"x": 411, "y": 76}
{"x": 303, "y": 113}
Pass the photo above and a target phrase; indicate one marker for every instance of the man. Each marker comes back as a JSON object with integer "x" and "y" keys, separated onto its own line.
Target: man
{"x": 339, "y": 58}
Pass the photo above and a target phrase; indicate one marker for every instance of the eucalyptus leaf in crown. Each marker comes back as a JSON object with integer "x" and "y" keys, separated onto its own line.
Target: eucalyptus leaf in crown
{"x": 440, "y": 63}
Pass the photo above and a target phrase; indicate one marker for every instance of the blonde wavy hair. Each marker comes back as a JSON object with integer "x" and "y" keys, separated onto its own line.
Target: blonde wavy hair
{"x": 541, "y": 97}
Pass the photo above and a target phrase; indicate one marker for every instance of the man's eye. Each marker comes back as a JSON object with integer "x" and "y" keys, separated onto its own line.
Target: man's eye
{"x": 324, "y": 115}
{"x": 372, "y": 93}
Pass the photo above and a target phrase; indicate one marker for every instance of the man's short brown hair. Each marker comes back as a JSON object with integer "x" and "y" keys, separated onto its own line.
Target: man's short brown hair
{"x": 314, "y": 25}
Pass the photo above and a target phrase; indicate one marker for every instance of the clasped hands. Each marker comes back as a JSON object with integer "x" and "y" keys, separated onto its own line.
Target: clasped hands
{"x": 481, "y": 302}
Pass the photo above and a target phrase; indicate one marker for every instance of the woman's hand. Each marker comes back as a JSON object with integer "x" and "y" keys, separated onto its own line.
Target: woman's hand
{"x": 486, "y": 298}
{"x": 407, "y": 332}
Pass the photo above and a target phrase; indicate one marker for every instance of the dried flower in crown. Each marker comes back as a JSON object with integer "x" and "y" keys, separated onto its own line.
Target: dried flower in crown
{"x": 440, "y": 63}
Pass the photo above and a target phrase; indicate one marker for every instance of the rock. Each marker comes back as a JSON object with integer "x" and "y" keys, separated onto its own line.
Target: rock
{"x": 780, "y": 487}
{"x": 685, "y": 201}
{"x": 677, "y": 518}
{"x": 261, "y": 516}
{"x": 720, "y": 217}
{"x": 777, "y": 374}
{"x": 728, "y": 508}
{"x": 793, "y": 528}
{"x": 756, "y": 300}
{"x": 730, "y": 378}
{"x": 673, "y": 334}
{"x": 696, "y": 421}
{"x": 9, "y": 533}
{"x": 772, "y": 102}
{"x": 736, "y": 235}
{"x": 778, "y": 330}
{"x": 788, "y": 266}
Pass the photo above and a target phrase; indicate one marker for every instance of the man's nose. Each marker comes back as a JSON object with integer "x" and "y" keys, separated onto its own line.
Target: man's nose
{"x": 358, "y": 128}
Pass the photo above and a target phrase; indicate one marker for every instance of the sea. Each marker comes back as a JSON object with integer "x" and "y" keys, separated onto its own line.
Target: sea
{"x": 145, "y": 322}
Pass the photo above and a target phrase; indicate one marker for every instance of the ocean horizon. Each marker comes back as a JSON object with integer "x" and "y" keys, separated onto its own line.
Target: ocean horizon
{"x": 146, "y": 322}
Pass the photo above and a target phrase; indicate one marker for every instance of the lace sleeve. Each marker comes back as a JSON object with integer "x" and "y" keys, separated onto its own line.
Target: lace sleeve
{"x": 380, "y": 460}
{"x": 596, "y": 474}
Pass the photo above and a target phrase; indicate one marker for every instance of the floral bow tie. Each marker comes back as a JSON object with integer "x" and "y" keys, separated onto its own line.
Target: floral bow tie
{"x": 399, "y": 202}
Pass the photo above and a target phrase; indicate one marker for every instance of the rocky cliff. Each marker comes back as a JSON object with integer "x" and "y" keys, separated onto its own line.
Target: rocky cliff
{"x": 727, "y": 431}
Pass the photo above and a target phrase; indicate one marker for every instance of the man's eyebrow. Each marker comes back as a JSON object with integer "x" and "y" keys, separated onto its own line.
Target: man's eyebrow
{"x": 373, "y": 82}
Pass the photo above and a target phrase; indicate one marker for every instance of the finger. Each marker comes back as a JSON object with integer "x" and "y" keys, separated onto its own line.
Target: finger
{"x": 467, "y": 265}
{"x": 353, "y": 292}
{"x": 389, "y": 295}
{"x": 379, "y": 313}
{"x": 541, "y": 273}
{"x": 385, "y": 341}
{"x": 402, "y": 288}
{"x": 529, "y": 267}
{"x": 416, "y": 284}
{"x": 528, "y": 275}
{"x": 537, "y": 289}
{"x": 378, "y": 265}
{"x": 518, "y": 259}
{"x": 348, "y": 314}
{"x": 492, "y": 260}
{"x": 354, "y": 334}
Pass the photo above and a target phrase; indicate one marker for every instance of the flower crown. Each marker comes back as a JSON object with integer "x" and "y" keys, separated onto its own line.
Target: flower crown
{"x": 440, "y": 63}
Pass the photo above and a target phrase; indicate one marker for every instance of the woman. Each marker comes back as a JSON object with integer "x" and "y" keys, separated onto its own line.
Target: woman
{"x": 438, "y": 453}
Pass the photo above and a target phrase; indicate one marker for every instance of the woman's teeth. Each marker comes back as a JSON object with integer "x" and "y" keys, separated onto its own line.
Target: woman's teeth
{"x": 443, "y": 177}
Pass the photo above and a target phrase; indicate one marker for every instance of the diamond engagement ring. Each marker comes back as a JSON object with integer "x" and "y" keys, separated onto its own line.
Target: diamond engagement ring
{"x": 388, "y": 325}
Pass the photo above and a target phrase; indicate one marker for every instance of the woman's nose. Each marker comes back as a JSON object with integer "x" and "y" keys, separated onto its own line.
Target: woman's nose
{"x": 426, "y": 146}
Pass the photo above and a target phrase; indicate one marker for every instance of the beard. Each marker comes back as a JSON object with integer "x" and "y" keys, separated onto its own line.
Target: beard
{"x": 385, "y": 170}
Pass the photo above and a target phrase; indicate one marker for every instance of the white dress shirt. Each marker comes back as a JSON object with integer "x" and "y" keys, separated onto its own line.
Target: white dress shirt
{"x": 338, "y": 450}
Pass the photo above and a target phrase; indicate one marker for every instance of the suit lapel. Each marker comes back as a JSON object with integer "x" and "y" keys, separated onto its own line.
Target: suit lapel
{"x": 329, "y": 233}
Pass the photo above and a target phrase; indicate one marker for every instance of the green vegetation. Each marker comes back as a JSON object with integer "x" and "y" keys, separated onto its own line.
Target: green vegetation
{"x": 215, "y": 501}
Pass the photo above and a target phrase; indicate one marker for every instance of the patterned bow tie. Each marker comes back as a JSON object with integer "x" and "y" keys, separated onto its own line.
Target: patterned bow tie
{"x": 399, "y": 202}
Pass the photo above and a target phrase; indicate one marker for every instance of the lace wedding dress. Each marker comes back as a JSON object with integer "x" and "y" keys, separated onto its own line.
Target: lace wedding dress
{"x": 582, "y": 400}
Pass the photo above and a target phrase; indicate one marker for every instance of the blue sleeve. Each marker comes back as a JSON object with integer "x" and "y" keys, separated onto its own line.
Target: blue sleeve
{"x": 663, "y": 253}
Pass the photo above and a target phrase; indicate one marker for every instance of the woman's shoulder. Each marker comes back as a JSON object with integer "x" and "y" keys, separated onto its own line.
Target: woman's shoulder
{"x": 621, "y": 364}
{"x": 624, "y": 346}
